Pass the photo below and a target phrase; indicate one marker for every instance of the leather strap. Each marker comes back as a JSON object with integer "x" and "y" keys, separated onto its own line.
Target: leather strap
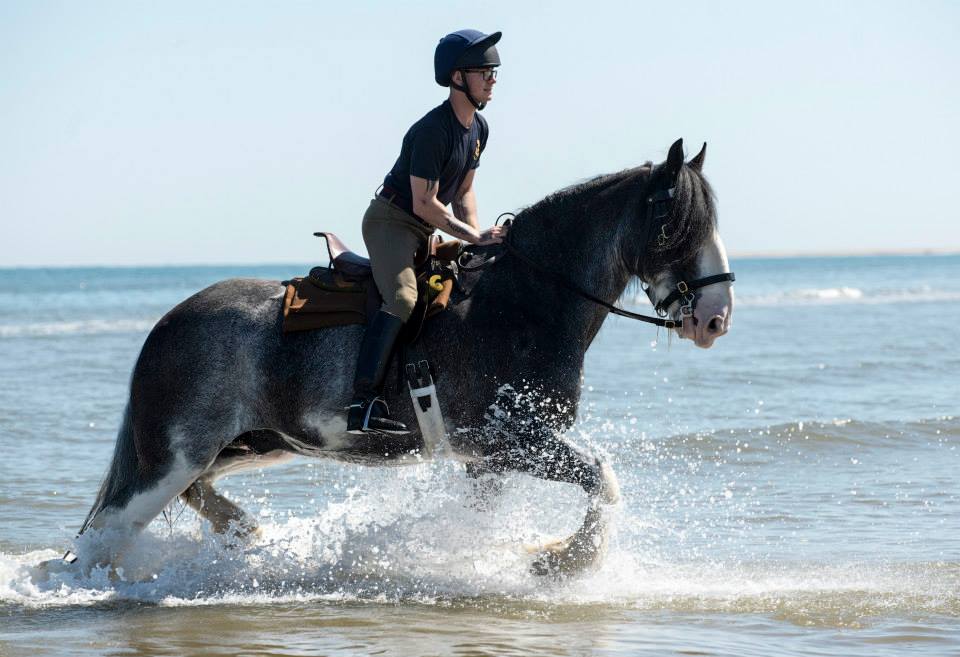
{"x": 563, "y": 282}
{"x": 683, "y": 288}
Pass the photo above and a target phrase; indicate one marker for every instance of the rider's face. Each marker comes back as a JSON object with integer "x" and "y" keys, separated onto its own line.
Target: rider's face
{"x": 481, "y": 89}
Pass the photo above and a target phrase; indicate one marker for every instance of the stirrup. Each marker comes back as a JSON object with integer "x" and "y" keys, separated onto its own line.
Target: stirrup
{"x": 371, "y": 423}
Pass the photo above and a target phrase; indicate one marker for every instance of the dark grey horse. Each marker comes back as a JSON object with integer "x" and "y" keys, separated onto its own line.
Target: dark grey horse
{"x": 219, "y": 388}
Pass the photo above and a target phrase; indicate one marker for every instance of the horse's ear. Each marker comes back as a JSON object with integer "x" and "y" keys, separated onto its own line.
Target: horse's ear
{"x": 697, "y": 162}
{"x": 675, "y": 159}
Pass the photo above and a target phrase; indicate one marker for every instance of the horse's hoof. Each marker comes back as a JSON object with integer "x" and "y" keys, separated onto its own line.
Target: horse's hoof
{"x": 239, "y": 535}
{"x": 43, "y": 570}
{"x": 248, "y": 531}
{"x": 571, "y": 556}
{"x": 555, "y": 559}
{"x": 547, "y": 564}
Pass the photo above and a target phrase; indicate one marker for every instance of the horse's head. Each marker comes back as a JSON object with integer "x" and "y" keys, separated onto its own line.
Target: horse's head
{"x": 674, "y": 247}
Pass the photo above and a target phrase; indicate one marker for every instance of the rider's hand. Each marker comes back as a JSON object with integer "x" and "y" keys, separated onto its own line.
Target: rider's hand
{"x": 492, "y": 235}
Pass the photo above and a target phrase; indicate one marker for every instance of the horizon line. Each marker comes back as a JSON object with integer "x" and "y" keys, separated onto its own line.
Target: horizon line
{"x": 740, "y": 255}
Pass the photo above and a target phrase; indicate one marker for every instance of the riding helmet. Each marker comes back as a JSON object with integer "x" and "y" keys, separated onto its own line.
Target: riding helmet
{"x": 464, "y": 49}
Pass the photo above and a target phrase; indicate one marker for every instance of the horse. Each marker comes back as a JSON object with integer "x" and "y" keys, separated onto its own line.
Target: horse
{"x": 219, "y": 388}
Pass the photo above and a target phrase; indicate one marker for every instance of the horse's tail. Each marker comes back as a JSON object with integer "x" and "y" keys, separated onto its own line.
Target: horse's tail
{"x": 122, "y": 475}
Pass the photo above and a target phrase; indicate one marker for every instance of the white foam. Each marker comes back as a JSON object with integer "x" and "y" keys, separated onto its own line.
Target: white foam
{"x": 424, "y": 539}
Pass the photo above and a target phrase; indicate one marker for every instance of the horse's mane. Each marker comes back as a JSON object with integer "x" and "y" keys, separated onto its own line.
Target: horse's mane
{"x": 691, "y": 225}
{"x": 692, "y": 220}
{"x": 559, "y": 202}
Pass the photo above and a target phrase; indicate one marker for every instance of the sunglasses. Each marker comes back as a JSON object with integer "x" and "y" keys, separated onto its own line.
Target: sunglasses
{"x": 487, "y": 73}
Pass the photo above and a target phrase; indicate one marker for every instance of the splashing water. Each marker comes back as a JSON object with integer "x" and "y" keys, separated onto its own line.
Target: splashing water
{"x": 791, "y": 491}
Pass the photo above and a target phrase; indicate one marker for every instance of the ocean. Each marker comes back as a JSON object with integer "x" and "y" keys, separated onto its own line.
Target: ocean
{"x": 791, "y": 491}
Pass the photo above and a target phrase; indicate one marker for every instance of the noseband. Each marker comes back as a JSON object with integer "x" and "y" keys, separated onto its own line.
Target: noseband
{"x": 658, "y": 209}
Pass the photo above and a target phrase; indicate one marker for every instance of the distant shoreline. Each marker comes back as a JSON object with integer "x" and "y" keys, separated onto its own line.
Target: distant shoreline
{"x": 866, "y": 253}
{"x": 738, "y": 255}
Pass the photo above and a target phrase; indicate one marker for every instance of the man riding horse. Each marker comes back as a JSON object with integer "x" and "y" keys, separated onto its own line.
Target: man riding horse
{"x": 436, "y": 168}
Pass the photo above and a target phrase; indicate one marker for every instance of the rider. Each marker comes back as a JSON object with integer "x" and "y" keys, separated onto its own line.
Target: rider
{"x": 436, "y": 167}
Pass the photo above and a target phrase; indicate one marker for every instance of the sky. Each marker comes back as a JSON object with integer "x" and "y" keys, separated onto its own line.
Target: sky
{"x": 135, "y": 133}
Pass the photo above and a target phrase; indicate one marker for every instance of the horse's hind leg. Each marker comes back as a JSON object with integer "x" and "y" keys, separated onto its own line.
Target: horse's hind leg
{"x": 125, "y": 515}
{"x": 556, "y": 459}
{"x": 221, "y": 512}
{"x": 255, "y": 449}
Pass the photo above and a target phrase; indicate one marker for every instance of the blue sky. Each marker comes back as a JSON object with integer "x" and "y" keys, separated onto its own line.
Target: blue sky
{"x": 175, "y": 132}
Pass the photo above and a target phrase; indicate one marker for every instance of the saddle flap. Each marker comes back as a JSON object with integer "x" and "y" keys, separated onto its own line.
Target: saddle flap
{"x": 325, "y": 298}
{"x": 438, "y": 249}
{"x": 422, "y": 256}
{"x": 447, "y": 251}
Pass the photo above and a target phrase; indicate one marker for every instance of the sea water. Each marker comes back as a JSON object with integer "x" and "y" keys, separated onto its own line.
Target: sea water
{"x": 792, "y": 490}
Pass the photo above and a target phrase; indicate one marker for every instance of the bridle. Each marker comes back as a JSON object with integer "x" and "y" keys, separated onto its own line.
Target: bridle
{"x": 658, "y": 209}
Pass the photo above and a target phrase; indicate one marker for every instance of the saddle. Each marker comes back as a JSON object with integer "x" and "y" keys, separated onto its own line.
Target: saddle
{"x": 344, "y": 291}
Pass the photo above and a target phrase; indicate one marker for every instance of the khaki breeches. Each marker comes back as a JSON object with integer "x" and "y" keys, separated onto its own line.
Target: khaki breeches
{"x": 392, "y": 237}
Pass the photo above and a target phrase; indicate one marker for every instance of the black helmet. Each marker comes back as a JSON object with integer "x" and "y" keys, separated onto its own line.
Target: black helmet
{"x": 464, "y": 49}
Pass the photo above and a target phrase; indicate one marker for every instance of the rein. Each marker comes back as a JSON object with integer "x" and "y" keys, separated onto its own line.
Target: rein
{"x": 563, "y": 282}
{"x": 657, "y": 208}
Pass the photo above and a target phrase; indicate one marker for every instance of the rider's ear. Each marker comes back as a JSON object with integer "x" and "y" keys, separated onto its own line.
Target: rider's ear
{"x": 457, "y": 77}
{"x": 675, "y": 160}
{"x": 697, "y": 162}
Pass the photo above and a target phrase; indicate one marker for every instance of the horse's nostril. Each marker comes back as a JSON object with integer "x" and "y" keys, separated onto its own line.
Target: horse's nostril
{"x": 716, "y": 324}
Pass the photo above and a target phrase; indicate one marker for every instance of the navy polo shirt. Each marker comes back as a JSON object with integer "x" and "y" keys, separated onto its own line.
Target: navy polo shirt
{"x": 437, "y": 147}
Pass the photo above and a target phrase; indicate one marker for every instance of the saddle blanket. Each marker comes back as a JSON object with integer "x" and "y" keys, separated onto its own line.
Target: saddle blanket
{"x": 326, "y": 298}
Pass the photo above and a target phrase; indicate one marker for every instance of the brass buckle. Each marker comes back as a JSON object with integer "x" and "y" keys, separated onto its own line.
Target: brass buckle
{"x": 682, "y": 287}
{"x": 662, "y": 238}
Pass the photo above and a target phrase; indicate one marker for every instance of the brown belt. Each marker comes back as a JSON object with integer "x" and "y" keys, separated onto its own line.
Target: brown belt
{"x": 393, "y": 197}
{"x": 397, "y": 200}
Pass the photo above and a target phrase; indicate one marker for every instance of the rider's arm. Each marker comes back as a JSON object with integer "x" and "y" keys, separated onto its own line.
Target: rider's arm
{"x": 465, "y": 202}
{"x": 427, "y": 206}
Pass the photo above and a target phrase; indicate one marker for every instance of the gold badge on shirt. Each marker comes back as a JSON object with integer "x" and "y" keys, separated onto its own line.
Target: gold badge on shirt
{"x": 476, "y": 151}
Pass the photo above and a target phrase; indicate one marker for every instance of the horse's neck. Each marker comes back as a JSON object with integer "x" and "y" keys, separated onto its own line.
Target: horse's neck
{"x": 586, "y": 254}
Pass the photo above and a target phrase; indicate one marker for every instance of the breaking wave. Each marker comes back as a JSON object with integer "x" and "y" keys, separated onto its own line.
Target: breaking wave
{"x": 809, "y": 435}
{"x": 76, "y": 327}
{"x": 846, "y": 295}
{"x": 836, "y": 296}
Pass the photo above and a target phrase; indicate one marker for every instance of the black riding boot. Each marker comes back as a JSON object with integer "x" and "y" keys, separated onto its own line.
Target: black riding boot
{"x": 368, "y": 411}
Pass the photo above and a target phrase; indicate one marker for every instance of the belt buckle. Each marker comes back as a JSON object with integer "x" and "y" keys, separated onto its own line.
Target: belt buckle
{"x": 389, "y": 199}
{"x": 380, "y": 192}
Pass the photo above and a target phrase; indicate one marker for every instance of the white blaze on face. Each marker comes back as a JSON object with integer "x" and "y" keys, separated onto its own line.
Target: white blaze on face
{"x": 713, "y": 310}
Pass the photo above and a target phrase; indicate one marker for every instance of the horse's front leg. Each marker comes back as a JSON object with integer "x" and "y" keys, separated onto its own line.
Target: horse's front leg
{"x": 556, "y": 459}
